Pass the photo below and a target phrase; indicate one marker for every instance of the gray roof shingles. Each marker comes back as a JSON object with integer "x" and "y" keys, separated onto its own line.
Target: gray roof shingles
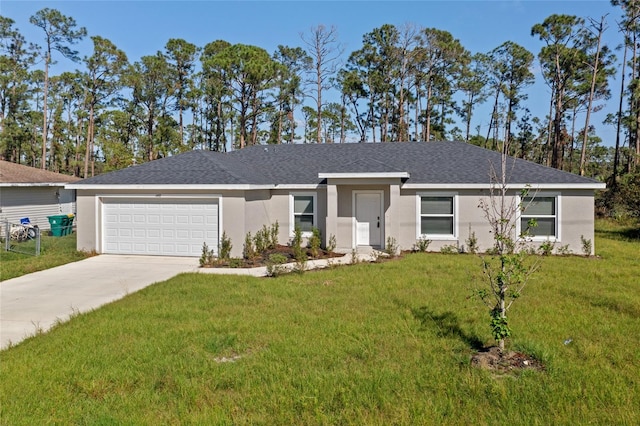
{"x": 427, "y": 163}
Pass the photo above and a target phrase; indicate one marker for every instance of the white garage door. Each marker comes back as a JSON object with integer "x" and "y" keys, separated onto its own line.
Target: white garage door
{"x": 164, "y": 227}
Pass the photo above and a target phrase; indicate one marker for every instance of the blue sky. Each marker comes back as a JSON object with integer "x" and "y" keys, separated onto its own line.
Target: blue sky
{"x": 143, "y": 27}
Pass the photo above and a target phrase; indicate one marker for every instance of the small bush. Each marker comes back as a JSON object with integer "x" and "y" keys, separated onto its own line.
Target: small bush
{"x": 546, "y": 248}
{"x": 354, "y": 257}
{"x": 331, "y": 245}
{"x": 586, "y": 245}
{"x": 564, "y": 250}
{"x": 391, "y": 248}
{"x": 421, "y": 245}
{"x": 225, "y": 247}
{"x": 259, "y": 240}
{"x": 472, "y": 242}
{"x": 248, "y": 250}
{"x": 207, "y": 258}
{"x": 274, "y": 264}
{"x": 450, "y": 249}
{"x": 299, "y": 253}
{"x": 273, "y": 235}
{"x": 315, "y": 241}
{"x": 236, "y": 262}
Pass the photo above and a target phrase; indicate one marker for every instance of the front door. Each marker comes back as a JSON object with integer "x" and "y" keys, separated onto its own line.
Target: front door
{"x": 369, "y": 219}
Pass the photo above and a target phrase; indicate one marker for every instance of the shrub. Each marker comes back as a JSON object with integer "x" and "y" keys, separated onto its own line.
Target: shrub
{"x": 207, "y": 258}
{"x": 299, "y": 253}
{"x": 546, "y": 248}
{"x": 354, "y": 257}
{"x": 391, "y": 248}
{"x": 248, "y": 250}
{"x": 331, "y": 245}
{"x": 273, "y": 233}
{"x": 274, "y": 264}
{"x": 225, "y": 247}
{"x": 261, "y": 240}
{"x": 421, "y": 245}
{"x": 472, "y": 242}
{"x": 236, "y": 262}
{"x": 315, "y": 241}
{"x": 449, "y": 249}
{"x": 586, "y": 245}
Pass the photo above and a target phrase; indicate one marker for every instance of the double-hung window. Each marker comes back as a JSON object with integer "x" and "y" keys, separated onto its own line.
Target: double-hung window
{"x": 541, "y": 210}
{"x": 437, "y": 215}
{"x": 304, "y": 212}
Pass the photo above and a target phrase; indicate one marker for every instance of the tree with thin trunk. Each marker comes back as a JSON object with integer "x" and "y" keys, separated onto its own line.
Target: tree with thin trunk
{"x": 510, "y": 70}
{"x": 508, "y": 265}
{"x": 16, "y": 57}
{"x": 561, "y": 59}
{"x": 294, "y": 61}
{"x": 216, "y": 96}
{"x": 102, "y": 80}
{"x": 323, "y": 47}
{"x": 181, "y": 56}
{"x": 353, "y": 91}
{"x": 630, "y": 27}
{"x": 473, "y": 85}
{"x": 60, "y": 32}
{"x": 599, "y": 28}
{"x": 439, "y": 61}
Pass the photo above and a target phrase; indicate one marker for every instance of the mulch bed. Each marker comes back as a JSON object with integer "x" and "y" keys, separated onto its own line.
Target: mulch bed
{"x": 493, "y": 359}
{"x": 263, "y": 258}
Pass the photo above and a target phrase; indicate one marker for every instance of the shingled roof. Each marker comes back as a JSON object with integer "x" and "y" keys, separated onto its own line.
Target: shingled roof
{"x": 301, "y": 164}
{"x": 19, "y": 175}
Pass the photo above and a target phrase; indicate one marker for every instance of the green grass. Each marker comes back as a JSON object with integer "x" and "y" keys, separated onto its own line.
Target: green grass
{"x": 373, "y": 344}
{"x": 54, "y": 251}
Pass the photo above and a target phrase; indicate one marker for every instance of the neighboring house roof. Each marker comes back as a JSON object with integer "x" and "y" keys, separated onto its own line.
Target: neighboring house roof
{"x": 419, "y": 164}
{"x": 12, "y": 174}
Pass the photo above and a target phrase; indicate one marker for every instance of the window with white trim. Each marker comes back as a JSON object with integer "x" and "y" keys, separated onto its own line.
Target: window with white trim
{"x": 542, "y": 211}
{"x": 304, "y": 208}
{"x": 437, "y": 215}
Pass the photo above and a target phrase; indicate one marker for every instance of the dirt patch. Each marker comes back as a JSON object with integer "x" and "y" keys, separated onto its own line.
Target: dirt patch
{"x": 493, "y": 359}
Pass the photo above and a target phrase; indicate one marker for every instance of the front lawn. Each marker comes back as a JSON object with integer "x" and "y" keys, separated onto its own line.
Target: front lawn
{"x": 54, "y": 251}
{"x": 378, "y": 344}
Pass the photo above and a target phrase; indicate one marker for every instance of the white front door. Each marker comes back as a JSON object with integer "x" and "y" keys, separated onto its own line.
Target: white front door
{"x": 369, "y": 219}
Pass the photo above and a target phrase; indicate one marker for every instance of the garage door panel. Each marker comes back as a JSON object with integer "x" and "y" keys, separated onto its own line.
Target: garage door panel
{"x": 125, "y": 218}
{"x": 125, "y": 232}
{"x": 160, "y": 226}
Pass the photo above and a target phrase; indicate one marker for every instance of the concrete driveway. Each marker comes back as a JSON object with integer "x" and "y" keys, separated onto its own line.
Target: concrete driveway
{"x": 34, "y": 302}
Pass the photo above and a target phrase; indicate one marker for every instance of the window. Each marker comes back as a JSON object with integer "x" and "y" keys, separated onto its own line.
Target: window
{"x": 437, "y": 215}
{"x": 303, "y": 212}
{"x": 543, "y": 210}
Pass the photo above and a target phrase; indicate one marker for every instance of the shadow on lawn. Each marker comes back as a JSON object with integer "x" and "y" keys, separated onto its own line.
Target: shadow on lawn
{"x": 446, "y": 324}
{"x": 629, "y": 233}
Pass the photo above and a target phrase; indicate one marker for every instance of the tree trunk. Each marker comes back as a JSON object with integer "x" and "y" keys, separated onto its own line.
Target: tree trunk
{"x": 45, "y": 93}
{"x": 585, "y": 138}
{"x": 616, "y": 154}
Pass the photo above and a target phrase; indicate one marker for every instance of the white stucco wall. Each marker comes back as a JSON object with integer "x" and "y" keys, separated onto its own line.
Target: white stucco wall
{"x": 248, "y": 211}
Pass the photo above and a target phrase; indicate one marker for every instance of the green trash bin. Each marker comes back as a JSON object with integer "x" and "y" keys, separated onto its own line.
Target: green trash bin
{"x": 65, "y": 224}
{"x": 68, "y": 226}
{"x": 56, "y": 223}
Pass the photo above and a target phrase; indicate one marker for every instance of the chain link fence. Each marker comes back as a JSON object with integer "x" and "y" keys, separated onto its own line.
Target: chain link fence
{"x": 21, "y": 237}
